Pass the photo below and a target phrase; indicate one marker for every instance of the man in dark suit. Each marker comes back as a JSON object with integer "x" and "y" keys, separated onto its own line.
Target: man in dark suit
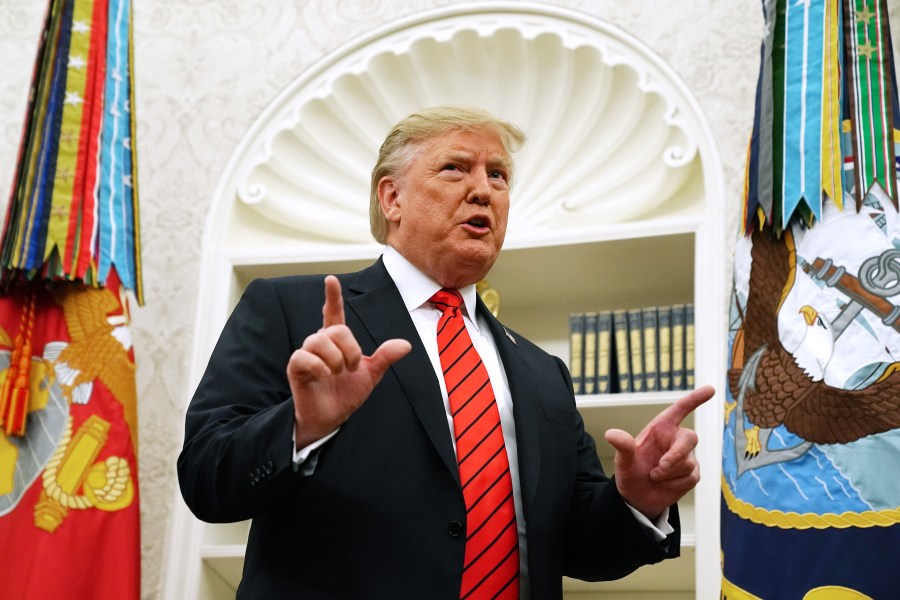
{"x": 337, "y": 434}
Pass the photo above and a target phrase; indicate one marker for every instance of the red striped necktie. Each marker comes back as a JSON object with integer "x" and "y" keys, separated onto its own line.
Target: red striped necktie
{"x": 491, "y": 567}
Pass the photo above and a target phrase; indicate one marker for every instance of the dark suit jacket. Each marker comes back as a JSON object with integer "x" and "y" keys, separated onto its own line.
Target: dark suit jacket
{"x": 382, "y": 514}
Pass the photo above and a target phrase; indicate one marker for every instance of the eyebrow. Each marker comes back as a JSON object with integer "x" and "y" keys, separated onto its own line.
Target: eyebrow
{"x": 499, "y": 161}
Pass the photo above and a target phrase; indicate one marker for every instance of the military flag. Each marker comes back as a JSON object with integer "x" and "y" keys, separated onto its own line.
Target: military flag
{"x": 69, "y": 511}
{"x": 812, "y": 415}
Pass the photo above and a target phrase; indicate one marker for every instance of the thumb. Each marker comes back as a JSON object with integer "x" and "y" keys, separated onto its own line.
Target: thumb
{"x": 624, "y": 445}
{"x": 387, "y": 354}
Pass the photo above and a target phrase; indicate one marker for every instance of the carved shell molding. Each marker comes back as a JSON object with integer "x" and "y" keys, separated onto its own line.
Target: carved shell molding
{"x": 613, "y": 134}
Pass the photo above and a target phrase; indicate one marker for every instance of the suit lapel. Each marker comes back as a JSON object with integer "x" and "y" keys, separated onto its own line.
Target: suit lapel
{"x": 525, "y": 406}
{"x": 374, "y": 299}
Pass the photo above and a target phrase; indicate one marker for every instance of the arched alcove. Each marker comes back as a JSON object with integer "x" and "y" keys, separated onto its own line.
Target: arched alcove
{"x": 614, "y": 136}
{"x": 620, "y": 169}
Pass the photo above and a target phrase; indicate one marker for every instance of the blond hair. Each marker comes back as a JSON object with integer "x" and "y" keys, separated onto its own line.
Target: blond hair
{"x": 400, "y": 145}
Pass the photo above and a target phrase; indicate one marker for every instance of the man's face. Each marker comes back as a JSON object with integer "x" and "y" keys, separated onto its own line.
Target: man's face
{"x": 447, "y": 210}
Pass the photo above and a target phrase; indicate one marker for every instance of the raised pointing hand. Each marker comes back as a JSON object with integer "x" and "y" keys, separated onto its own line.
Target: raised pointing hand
{"x": 329, "y": 376}
{"x": 658, "y": 467}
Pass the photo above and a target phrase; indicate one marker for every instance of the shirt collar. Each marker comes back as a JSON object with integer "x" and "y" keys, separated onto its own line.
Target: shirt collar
{"x": 416, "y": 288}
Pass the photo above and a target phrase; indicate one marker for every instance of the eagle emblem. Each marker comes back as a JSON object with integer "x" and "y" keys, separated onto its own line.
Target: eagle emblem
{"x": 781, "y": 380}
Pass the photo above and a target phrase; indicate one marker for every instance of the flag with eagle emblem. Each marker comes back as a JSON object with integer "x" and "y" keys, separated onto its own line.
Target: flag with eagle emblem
{"x": 69, "y": 511}
{"x": 812, "y": 415}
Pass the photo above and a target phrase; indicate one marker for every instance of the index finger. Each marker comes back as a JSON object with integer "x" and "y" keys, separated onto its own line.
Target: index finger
{"x": 681, "y": 408}
{"x": 333, "y": 311}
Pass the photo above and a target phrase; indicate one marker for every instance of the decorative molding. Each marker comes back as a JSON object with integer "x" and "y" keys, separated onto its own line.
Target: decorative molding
{"x": 614, "y": 136}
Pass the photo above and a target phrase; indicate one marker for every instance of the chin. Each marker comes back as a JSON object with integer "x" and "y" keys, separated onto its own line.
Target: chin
{"x": 462, "y": 262}
{"x": 462, "y": 271}
{"x": 475, "y": 271}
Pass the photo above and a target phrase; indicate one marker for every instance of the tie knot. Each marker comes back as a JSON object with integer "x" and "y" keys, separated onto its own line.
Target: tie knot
{"x": 447, "y": 298}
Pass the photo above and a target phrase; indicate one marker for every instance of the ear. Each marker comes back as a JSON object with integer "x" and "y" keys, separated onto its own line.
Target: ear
{"x": 389, "y": 198}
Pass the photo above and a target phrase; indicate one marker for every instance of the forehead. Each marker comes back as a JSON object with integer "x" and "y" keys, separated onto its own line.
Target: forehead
{"x": 473, "y": 143}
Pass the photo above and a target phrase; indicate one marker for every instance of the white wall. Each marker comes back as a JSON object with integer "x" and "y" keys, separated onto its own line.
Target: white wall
{"x": 206, "y": 68}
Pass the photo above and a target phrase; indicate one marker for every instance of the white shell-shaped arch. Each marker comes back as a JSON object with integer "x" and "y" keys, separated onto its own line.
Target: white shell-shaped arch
{"x": 614, "y": 137}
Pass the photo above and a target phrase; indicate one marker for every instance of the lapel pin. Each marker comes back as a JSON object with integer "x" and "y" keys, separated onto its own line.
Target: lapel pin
{"x": 510, "y": 336}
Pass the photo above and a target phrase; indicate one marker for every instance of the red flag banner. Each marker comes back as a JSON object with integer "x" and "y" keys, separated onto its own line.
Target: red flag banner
{"x": 69, "y": 518}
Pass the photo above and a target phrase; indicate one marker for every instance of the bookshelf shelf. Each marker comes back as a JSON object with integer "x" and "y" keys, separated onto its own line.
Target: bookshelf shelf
{"x": 630, "y": 412}
{"x": 668, "y": 580}
{"x": 628, "y": 399}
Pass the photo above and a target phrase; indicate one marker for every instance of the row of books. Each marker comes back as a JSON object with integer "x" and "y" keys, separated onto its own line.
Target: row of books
{"x": 638, "y": 350}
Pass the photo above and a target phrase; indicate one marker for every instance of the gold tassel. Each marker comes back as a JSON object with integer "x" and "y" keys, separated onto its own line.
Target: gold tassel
{"x": 15, "y": 392}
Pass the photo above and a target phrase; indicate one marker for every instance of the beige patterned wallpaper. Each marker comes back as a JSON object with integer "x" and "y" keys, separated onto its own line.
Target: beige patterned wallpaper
{"x": 207, "y": 68}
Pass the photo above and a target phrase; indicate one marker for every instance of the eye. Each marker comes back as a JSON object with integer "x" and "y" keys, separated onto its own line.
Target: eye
{"x": 498, "y": 174}
{"x": 450, "y": 167}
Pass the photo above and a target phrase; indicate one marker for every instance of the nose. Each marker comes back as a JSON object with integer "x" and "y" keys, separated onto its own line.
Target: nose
{"x": 480, "y": 190}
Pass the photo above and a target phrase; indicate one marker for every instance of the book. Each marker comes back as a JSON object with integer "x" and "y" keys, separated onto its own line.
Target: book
{"x": 678, "y": 347}
{"x": 590, "y": 353}
{"x": 576, "y": 351}
{"x": 636, "y": 345}
{"x": 648, "y": 324}
{"x": 664, "y": 346}
{"x": 622, "y": 353}
{"x": 604, "y": 351}
{"x": 689, "y": 346}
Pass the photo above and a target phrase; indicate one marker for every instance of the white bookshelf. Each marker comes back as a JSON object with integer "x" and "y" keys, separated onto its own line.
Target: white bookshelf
{"x": 619, "y": 209}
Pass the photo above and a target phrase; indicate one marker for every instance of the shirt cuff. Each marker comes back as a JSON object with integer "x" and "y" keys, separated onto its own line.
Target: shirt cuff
{"x": 659, "y": 529}
{"x": 305, "y": 458}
